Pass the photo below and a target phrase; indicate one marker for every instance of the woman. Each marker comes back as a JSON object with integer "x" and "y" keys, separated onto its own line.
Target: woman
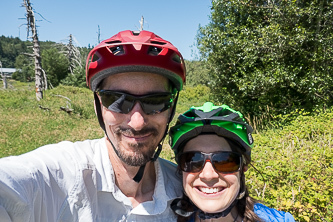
{"x": 212, "y": 146}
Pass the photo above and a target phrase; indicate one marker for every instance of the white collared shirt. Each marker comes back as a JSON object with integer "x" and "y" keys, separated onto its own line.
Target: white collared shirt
{"x": 75, "y": 182}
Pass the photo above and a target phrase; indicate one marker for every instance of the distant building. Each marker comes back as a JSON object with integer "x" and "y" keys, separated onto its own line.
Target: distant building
{"x": 7, "y": 71}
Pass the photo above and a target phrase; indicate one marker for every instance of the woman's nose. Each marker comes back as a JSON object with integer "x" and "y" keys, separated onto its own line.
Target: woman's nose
{"x": 208, "y": 172}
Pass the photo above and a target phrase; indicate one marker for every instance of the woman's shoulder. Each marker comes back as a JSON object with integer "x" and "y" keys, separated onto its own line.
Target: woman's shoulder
{"x": 270, "y": 214}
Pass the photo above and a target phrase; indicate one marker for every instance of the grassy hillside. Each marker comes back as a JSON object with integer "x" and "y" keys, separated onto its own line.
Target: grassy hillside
{"x": 294, "y": 162}
{"x": 27, "y": 124}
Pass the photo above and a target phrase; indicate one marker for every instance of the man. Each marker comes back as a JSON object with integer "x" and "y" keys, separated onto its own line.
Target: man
{"x": 135, "y": 77}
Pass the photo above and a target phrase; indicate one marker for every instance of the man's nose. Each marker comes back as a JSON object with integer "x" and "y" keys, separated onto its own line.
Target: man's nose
{"x": 138, "y": 119}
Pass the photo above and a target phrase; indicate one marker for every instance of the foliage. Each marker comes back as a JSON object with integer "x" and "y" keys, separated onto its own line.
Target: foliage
{"x": 296, "y": 165}
{"x": 10, "y": 48}
{"x": 270, "y": 53}
{"x": 197, "y": 73}
{"x": 77, "y": 78}
{"x": 192, "y": 96}
{"x": 55, "y": 66}
{"x": 25, "y": 72}
{"x": 55, "y": 61}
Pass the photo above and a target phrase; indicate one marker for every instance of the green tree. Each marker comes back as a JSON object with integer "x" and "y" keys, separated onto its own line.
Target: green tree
{"x": 55, "y": 66}
{"x": 25, "y": 69}
{"x": 10, "y": 48}
{"x": 197, "y": 73}
{"x": 77, "y": 78}
{"x": 270, "y": 53}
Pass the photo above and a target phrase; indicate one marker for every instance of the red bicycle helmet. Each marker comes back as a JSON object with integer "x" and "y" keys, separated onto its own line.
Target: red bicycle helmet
{"x": 130, "y": 51}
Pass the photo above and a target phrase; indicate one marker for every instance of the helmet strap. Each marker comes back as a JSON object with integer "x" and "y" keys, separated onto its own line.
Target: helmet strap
{"x": 242, "y": 188}
{"x": 137, "y": 178}
{"x": 185, "y": 207}
{"x": 203, "y": 216}
{"x": 99, "y": 113}
{"x": 173, "y": 111}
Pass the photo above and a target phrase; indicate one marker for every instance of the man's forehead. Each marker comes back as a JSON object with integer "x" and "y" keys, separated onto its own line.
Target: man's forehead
{"x": 137, "y": 81}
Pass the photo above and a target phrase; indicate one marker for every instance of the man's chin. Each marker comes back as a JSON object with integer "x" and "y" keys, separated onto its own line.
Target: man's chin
{"x": 136, "y": 154}
{"x": 136, "y": 161}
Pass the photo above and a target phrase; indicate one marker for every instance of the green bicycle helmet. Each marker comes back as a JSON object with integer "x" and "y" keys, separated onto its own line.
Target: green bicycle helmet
{"x": 209, "y": 119}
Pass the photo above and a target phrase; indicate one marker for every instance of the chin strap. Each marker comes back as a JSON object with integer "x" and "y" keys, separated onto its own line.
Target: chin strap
{"x": 137, "y": 178}
{"x": 185, "y": 208}
{"x": 242, "y": 188}
{"x": 203, "y": 216}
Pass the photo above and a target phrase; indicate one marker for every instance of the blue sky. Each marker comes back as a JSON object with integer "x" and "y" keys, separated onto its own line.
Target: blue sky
{"x": 174, "y": 20}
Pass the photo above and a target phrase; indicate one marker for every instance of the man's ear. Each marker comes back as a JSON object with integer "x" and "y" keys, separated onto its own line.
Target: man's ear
{"x": 245, "y": 168}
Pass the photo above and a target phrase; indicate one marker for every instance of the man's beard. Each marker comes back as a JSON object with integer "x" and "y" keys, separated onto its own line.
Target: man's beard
{"x": 138, "y": 158}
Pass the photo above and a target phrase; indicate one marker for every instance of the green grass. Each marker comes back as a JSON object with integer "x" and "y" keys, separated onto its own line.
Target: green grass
{"x": 25, "y": 126}
{"x": 294, "y": 158}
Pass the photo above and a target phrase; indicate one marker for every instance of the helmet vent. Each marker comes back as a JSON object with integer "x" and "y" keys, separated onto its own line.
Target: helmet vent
{"x": 113, "y": 42}
{"x": 176, "y": 58}
{"x": 118, "y": 50}
{"x": 158, "y": 43}
{"x": 154, "y": 51}
{"x": 94, "y": 58}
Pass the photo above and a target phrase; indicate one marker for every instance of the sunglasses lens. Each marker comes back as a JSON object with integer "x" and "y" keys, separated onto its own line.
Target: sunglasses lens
{"x": 108, "y": 98}
{"x": 223, "y": 162}
{"x": 226, "y": 162}
{"x": 191, "y": 162}
{"x": 154, "y": 104}
{"x": 124, "y": 103}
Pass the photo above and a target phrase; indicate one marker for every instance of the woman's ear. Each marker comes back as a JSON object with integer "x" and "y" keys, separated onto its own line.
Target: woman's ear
{"x": 245, "y": 168}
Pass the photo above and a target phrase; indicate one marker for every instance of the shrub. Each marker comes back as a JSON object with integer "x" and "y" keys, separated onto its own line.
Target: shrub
{"x": 296, "y": 163}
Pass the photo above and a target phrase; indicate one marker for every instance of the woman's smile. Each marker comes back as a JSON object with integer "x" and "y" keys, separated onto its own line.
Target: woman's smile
{"x": 210, "y": 190}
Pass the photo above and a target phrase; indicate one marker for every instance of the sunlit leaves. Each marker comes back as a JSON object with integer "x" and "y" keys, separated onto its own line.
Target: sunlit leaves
{"x": 270, "y": 53}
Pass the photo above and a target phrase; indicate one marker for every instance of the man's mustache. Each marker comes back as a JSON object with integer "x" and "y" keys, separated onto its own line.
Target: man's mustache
{"x": 132, "y": 132}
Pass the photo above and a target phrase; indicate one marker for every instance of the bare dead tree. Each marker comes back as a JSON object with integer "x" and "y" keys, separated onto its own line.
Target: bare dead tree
{"x": 4, "y": 78}
{"x": 72, "y": 52}
{"x": 40, "y": 77}
{"x": 99, "y": 35}
{"x": 141, "y": 23}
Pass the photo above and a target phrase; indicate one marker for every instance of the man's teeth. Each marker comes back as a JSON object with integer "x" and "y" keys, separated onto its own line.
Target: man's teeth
{"x": 209, "y": 190}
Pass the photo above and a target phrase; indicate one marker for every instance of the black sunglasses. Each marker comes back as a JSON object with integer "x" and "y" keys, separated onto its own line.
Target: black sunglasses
{"x": 123, "y": 103}
{"x": 223, "y": 162}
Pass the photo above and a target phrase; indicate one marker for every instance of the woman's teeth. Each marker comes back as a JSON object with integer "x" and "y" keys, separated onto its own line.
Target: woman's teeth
{"x": 209, "y": 190}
